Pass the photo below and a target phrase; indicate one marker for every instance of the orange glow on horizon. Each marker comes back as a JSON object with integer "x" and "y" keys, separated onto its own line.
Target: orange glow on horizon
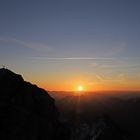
{"x": 78, "y": 86}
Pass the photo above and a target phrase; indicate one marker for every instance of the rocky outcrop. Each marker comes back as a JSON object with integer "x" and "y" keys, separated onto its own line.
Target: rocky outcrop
{"x": 27, "y": 112}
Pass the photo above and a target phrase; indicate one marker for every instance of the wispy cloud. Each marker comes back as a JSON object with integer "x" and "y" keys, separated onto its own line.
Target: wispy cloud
{"x": 103, "y": 79}
{"x": 107, "y": 78}
{"x": 70, "y": 58}
{"x": 92, "y": 64}
{"x": 31, "y": 45}
{"x": 123, "y": 65}
{"x": 113, "y": 48}
{"x": 121, "y": 62}
{"x": 129, "y": 77}
{"x": 117, "y": 49}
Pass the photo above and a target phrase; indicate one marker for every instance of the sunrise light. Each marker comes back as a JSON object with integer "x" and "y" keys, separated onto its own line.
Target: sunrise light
{"x": 80, "y": 88}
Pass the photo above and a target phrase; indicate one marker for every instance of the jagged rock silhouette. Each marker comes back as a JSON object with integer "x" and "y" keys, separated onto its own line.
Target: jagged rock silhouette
{"x": 27, "y": 112}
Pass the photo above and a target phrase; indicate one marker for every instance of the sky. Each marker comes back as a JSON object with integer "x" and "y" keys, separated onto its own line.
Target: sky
{"x": 60, "y": 44}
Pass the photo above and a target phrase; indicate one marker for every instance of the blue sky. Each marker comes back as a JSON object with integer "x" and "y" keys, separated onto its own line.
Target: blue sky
{"x": 75, "y": 37}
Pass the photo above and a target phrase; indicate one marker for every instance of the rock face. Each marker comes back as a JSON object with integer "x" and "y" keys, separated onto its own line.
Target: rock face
{"x": 27, "y": 112}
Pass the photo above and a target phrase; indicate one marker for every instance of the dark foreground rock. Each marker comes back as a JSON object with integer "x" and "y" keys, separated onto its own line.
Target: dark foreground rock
{"x": 27, "y": 112}
{"x": 102, "y": 129}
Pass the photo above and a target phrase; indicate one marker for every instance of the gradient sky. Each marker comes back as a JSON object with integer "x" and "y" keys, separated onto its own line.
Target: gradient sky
{"x": 60, "y": 44}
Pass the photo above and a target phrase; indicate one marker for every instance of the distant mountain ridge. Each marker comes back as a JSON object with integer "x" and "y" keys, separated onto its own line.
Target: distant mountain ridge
{"x": 28, "y": 112}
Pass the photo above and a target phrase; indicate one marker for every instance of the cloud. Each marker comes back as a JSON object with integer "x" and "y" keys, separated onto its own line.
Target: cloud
{"x": 71, "y": 58}
{"x": 103, "y": 79}
{"x": 133, "y": 77}
{"x": 94, "y": 64}
{"x": 115, "y": 63}
{"x": 123, "y": 65}
{"x": 112, "y": 48}
{"x": 117, "y": 48}
{"x": 34, "y": 46}
{"x": 129, "y": 77}
{"x": 108, "y": 78}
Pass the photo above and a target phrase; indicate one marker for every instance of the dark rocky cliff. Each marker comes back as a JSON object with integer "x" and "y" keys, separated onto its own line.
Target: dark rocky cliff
{"x": 27, "y": 112}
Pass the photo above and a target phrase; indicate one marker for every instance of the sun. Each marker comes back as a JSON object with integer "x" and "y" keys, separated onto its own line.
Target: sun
{"x": 80, "y": 88}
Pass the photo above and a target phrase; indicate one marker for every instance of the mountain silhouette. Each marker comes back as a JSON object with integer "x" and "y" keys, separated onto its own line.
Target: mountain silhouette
{"x": 27, "y": 112}
{"x": 102, "y": 129}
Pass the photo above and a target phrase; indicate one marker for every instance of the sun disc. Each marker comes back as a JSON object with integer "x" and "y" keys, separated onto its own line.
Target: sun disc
{"x": 80, "y": 88}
